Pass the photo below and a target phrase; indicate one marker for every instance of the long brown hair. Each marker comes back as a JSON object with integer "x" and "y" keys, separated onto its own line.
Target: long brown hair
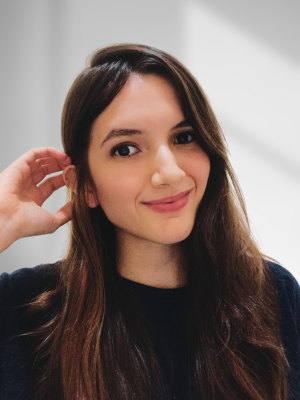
{"x": 95, "y": 344}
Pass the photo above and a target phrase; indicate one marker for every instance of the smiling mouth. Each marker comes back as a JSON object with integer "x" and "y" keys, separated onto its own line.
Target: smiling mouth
{"x": 169, "y": 207}
{"x": 169, "y": 199}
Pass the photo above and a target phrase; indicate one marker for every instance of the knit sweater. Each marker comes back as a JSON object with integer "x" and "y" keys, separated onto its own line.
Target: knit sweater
{"x": 164, "y": 309}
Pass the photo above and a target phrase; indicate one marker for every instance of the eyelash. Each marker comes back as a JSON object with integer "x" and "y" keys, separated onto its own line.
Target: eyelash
{"x": 126, "y": 144}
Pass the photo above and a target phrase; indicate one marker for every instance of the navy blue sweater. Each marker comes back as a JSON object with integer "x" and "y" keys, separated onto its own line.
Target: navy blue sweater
{"x": 164, "y": 310}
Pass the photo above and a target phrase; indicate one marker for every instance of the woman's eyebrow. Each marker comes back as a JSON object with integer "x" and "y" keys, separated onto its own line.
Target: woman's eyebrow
{"x": 183, "y": 124}
{"x": 130, "y": 132}
{"x": 121, "y": 132}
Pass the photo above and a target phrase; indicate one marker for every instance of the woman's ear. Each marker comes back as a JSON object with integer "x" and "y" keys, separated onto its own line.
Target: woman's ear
{"x": 90, "y": 199}
{"x": 69, "y": 177}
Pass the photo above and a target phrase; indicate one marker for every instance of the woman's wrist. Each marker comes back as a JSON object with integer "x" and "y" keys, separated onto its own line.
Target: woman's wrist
{"x": 7, "y": 233}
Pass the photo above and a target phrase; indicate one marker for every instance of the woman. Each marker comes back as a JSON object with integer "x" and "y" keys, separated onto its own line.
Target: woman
{"x": 163, "y": 293}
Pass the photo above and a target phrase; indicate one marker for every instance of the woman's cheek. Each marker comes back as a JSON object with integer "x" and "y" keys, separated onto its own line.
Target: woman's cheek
{"x": 117, "y": 190}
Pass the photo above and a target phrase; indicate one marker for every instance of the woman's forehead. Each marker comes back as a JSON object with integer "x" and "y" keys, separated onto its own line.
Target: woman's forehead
{"x": 144, "y": 102}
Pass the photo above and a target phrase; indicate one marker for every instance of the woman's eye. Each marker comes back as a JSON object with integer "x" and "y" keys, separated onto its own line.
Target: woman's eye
{"x": 185, "y": 137}
{"x": 125, "y": 150}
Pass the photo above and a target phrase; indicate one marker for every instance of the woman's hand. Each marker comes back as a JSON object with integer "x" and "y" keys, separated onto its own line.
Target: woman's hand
{"x": 21, "y": 200}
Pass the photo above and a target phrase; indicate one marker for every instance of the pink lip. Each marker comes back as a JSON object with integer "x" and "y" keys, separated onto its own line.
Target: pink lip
{"x": 169, "y": 199}
{"x": 161, "y": 206}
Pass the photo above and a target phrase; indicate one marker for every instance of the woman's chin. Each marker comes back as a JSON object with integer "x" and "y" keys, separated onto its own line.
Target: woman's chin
{"x": 173, "y": 237}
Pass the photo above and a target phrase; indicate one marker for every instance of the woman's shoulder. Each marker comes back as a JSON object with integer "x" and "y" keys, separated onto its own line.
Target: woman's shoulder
{"x": 287, "y": 286}
{"x": 23, "y": 285}
{"x": 289, "y": 318}
{"x": 282, "y": 275}
{"x": 16, "y": 290}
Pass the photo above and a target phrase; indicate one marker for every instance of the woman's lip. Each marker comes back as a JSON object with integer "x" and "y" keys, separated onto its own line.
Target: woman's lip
{"x": 171, "y": 207}
{"x": 169, "y": 199}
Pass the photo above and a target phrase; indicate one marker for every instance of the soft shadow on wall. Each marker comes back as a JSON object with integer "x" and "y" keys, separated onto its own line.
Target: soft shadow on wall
{"x": 246, "y": 56}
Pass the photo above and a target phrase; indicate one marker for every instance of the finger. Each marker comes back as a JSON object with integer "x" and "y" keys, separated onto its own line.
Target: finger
{"x": 45, "y": 170}
{"x": 36, "y": 165}
{"x": 42, "y": 152}
{"x": 49, "y": 186}
{"x": 63, "y": 215}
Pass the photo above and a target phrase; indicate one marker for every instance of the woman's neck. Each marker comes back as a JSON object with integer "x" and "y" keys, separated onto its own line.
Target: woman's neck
{"x": 153, "y": 264}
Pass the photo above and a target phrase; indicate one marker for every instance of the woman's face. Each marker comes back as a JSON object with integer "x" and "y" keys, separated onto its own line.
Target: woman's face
{"x": 142, "y": 150}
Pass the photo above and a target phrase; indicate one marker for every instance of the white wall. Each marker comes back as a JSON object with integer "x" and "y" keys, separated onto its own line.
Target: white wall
{"x": 246, "y": 59}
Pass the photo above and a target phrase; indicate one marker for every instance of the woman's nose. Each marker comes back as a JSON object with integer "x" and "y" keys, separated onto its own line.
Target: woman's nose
{"x": 167, "y": 172}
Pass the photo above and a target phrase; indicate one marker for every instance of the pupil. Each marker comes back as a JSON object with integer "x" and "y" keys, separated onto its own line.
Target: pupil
{"x": 124, "y": 151}
{"x": 182, "y": 138}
